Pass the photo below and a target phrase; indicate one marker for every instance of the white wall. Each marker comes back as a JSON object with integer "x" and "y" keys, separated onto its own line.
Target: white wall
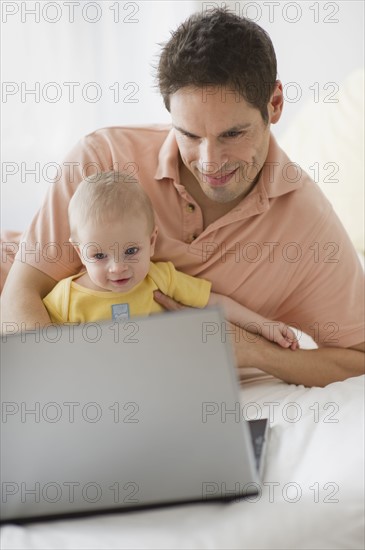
{"x": 316, "y": 42}
{"x": 118, "y": 50}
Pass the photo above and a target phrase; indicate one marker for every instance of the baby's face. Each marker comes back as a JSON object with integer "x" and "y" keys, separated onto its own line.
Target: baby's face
{"x": 116, "y": 255}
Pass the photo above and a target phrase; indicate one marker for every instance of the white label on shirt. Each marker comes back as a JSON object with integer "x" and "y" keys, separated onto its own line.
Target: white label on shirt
{"x": 120, "y": 312}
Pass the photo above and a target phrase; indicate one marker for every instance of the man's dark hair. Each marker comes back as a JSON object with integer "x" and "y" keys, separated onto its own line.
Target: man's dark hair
{"x": 219, "y": 48}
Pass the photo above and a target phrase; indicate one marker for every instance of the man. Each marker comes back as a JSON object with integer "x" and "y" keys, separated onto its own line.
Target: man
{"x": 229, "y": 204}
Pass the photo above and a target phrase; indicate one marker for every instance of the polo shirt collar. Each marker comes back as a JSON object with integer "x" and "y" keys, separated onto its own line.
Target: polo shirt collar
{"x": 168, "y": 159}
{"x": 279, "y": 174}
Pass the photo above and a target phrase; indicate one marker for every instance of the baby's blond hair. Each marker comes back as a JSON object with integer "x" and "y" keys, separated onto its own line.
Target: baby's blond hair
{"x": 107, "y": 197}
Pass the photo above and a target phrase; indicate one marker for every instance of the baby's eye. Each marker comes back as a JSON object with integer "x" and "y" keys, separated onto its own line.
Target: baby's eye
{"x": 99, "y": 256}
{"x": 131, "y": 250}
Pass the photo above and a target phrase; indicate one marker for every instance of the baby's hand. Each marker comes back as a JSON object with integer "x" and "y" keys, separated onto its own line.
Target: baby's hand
{"x": 283, "y": 335}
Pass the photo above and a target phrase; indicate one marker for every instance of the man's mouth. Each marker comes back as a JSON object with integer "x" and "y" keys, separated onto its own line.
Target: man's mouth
{"x": 218, "y": 180}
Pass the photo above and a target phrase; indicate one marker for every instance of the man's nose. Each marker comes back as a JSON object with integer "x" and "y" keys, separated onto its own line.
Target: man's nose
{"x": 212, "y": 157}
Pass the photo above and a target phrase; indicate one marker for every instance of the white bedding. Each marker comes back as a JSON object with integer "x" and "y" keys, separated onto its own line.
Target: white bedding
{"x": 320, "y": 456}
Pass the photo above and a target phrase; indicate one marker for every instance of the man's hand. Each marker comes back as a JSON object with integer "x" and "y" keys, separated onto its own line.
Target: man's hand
{"x": 21, "y": 300}
{"x": 317, "y": 367}
{"x": 168, "y": 303}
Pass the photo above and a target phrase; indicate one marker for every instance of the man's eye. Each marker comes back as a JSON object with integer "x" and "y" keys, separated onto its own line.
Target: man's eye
{"x": 99, "y": 256}
{"x": 131, "y": 251}
{"x": 232, "y": 134}
{"x": 189, "y": 136}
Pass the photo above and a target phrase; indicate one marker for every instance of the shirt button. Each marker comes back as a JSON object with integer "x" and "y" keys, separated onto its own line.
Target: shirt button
{"x": 190, "y": 207}
{"x": 190, "y": 239}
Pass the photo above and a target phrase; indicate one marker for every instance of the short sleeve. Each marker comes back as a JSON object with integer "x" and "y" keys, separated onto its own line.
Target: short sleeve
{"x": 328, "y": 303}
{"x": 188, "y": 290}
{"x": 57, "y": 301}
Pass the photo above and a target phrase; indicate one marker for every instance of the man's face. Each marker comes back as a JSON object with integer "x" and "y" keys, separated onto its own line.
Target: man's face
{"x": 223, "y": 140}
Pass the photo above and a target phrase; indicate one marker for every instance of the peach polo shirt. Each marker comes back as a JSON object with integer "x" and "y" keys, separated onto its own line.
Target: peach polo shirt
{"x": 281, "y": 252}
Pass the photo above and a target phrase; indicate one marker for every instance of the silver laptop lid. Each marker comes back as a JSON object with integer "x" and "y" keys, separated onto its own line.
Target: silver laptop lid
{"x": 106, "y": 416}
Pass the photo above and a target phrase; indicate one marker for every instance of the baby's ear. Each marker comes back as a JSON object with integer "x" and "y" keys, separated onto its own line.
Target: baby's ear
{"x": 153, "y": 239}
{"x": 76, "y": 246}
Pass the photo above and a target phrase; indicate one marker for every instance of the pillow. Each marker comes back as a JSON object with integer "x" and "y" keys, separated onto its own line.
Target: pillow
{"x": 324, "y": 136}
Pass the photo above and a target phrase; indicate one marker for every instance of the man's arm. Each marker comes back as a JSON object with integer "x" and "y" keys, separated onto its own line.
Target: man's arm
{"x": 21, "y": 300}
{"x": 317, "y": 367}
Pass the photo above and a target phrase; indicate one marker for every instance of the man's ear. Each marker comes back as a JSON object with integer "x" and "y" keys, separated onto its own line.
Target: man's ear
{"x": 153, "y": 240}
{"x": 276, "y": 103}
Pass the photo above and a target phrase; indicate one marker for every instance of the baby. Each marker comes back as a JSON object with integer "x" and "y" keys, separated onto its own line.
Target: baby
{"x": 114, "y": 233}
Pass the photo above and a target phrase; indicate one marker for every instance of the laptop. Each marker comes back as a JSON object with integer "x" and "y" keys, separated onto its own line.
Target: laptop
{"x": 106, "y": 417}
